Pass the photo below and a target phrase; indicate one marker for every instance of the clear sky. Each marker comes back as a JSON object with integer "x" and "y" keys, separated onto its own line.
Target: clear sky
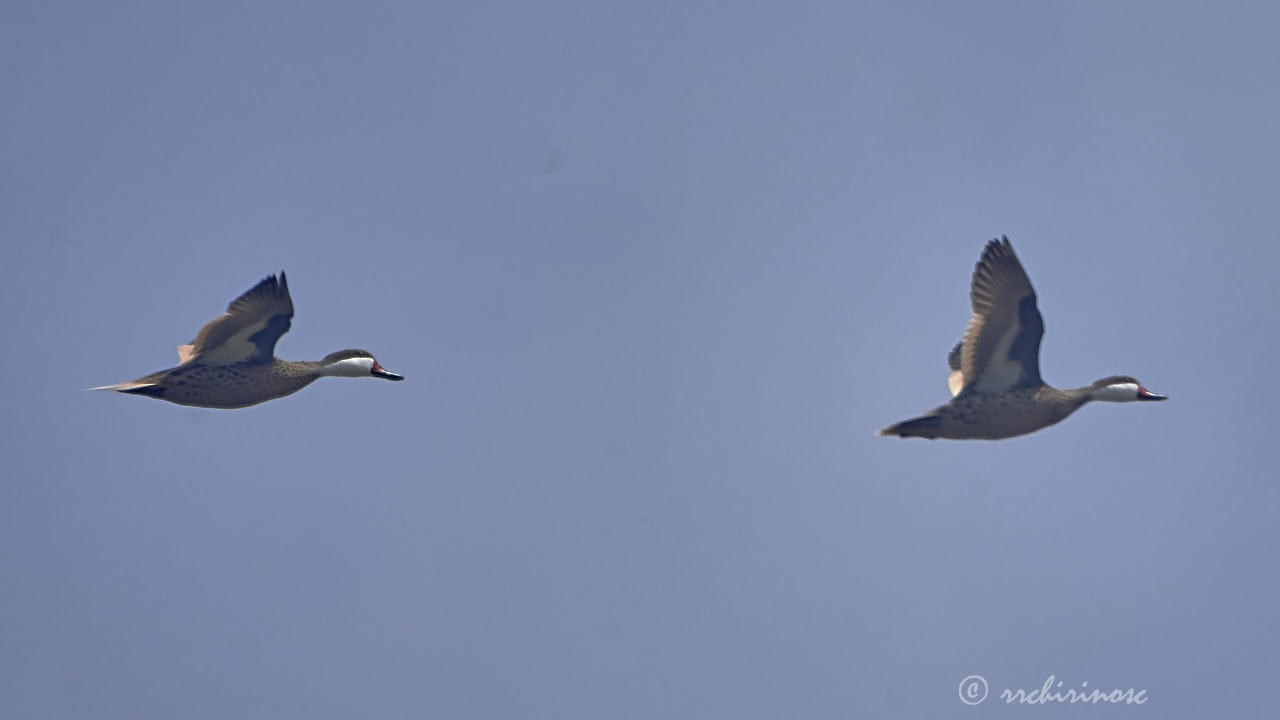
{"x": 655, "y": 273}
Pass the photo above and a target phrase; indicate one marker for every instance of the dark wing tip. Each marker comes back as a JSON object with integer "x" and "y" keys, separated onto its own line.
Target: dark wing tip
{"x": 270, "y": 295}
{"x": 997, "y": 266}
{"x": 997, "y": 249}
{"x": 272, "y": 286}
{"x": 267, "y": 286}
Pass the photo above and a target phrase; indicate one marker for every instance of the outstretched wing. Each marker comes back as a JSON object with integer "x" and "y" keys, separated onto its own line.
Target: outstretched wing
{"x": 248, "y": 331}
{"x": 1001, "y": 347}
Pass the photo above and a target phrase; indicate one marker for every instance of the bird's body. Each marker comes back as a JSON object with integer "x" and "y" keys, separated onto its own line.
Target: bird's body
{"x": 232, "y": 363}
{"x": 994, "y": 416}
{"x": 995, "y": 374}
{"x": 225, "y": 386}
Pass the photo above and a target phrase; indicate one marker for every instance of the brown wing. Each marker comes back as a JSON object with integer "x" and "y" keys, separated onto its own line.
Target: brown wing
{"x": 248, "y": 331}
{"x": 1001, "y": 347}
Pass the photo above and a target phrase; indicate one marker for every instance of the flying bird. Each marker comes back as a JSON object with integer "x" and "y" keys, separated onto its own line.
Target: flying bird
{"x": 995, "y": 369}
{"x": 232, "y": 362}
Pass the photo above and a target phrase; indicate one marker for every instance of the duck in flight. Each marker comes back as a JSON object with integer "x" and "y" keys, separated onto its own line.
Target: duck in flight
{"x": 995, "y": 369}
{"x": 232, "y": 362}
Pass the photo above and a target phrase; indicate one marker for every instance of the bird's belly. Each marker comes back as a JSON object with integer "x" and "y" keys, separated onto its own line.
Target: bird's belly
{"x": 227, "y": 386}
{"x": 994, "y": 417}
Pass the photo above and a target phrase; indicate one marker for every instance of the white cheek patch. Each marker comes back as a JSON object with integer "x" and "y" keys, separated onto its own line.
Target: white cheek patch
{"x": 1120, "y": 392}
{"x": 351, "y": 367}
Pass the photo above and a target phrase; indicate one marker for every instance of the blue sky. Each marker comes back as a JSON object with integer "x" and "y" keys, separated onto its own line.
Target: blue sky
{"x": 655, "y": 274}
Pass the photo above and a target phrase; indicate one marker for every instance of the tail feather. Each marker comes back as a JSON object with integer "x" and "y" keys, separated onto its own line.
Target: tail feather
{"x": 925, "y": 426}
{"x": 135, "y": 388}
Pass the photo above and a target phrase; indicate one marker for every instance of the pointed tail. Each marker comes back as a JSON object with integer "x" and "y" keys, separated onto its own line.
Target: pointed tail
{"x": 135, "y": 388}
{"x": 925, "y": 426}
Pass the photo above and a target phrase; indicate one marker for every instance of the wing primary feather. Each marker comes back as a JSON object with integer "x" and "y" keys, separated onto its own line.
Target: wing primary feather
{"x": 1001, "y": 346}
